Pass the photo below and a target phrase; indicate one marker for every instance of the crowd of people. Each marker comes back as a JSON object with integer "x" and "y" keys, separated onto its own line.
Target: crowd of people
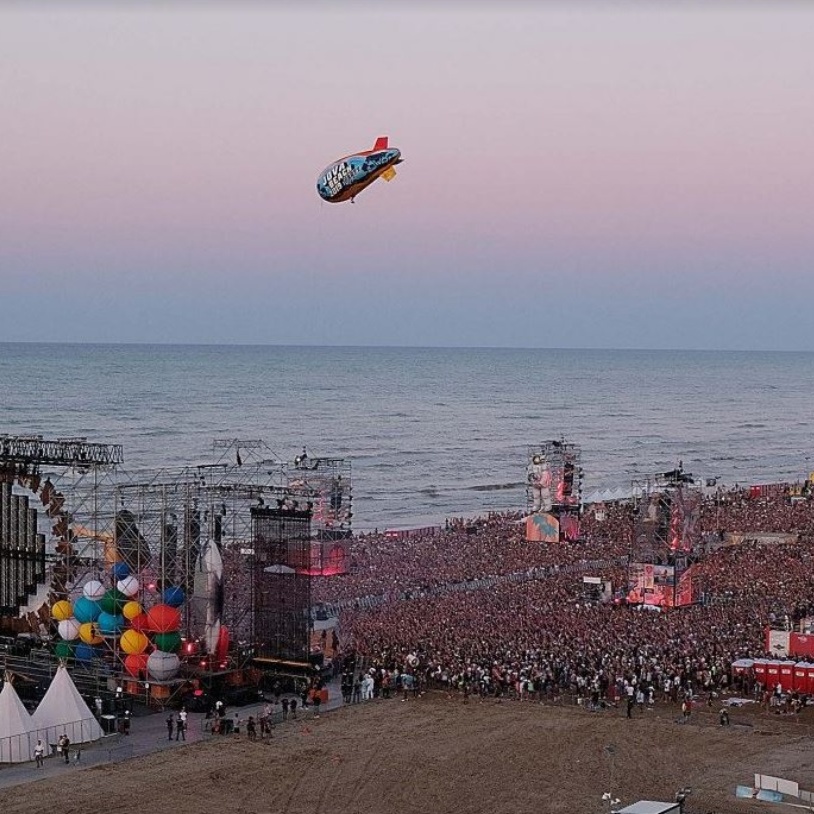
{"x": 542, "y": 637}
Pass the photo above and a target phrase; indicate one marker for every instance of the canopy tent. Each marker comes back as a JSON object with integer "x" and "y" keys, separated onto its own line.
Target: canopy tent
{"x": 63, "y": 710}
{"x": 16, "y": 727}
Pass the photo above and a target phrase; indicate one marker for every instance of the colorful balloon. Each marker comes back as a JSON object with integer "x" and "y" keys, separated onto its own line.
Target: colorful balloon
{"x": 121, "y": 570}
{"x": 136, "y": 664}
{"x": 174, "y": 596}
{"x": 89, "y": 634}
{"x": 168, "y": 642}
{"x": 68, "y": 629}
{"x": 133, "y": 642}
{"x": 163, "y": 618}
{"x": 140, "y": 622}
{"x": 131, "y": 610}
{"x": 62, "y": 610}
{"x": 84, "y": 652}
{"x": 63, "y": 650}
{"x": 94, "y": 589}
{"x": 129, "y": 586}
{"x": 163, "y": 666}
{"x": 109, "y": 624}
{"x": 113, "y": 601}
{"x": 86, "y": 610}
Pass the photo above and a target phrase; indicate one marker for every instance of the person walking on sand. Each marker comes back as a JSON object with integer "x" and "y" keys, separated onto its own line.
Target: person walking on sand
{"x": 66, "y": 748}
{"x": 170, "y": 724}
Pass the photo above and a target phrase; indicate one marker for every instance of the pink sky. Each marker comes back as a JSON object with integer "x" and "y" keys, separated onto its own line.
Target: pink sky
{"x": 549, "y": 152}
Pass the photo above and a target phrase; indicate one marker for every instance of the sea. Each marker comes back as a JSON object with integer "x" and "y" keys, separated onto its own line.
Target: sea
{"x": 430, "y": 433}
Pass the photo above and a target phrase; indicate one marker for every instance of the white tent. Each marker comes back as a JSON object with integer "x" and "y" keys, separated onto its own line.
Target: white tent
{"x": 63, "y": 710}
{"x": 16, "y": 727}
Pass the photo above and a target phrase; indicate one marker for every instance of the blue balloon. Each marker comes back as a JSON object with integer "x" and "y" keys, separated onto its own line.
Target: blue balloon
{"x": 108, "y": 624}
{"x": 121, "y": 570}
{"x": 86, "y": 610}
{"x": 174, "y": 596}
{"x": 84, "y": 652}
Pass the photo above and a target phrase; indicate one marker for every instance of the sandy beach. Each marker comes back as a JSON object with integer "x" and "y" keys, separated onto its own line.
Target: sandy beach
{"x": 436, "y": 753}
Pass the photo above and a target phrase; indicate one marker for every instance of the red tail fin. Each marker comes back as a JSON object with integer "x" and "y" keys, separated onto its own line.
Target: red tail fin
{"x": 381, "y": 143}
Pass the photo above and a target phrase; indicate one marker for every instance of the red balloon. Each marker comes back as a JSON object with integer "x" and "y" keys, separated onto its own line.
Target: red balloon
{"x": 140, "y": 623}
{"x": 136, "y": 664}
{"x": 163, "y": 618}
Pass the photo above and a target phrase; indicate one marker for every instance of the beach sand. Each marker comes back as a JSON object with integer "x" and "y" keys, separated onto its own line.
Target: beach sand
{"x": 438, "y": 754}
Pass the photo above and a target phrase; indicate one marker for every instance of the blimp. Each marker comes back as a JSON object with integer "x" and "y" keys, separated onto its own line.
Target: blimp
{"x": 346, "y": 178}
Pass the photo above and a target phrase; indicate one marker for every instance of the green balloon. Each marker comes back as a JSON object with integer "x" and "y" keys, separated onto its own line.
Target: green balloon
{"x": 168, "y": 642}
{"x": 113, "y": 601}
{"x": 63, "y": 650}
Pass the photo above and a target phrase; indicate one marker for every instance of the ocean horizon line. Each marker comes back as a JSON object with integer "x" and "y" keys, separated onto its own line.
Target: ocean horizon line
{"x": 302, "y": 345}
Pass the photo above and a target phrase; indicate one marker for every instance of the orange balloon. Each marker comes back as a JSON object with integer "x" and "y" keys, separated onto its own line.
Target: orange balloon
{"x": 136, "y": 664}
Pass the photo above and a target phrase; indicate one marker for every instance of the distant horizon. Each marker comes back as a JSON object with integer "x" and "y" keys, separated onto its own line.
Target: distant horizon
{"x": 403, "y": 347}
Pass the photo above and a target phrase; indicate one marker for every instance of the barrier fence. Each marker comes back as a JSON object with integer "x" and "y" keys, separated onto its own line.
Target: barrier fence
{"x": 20, "y": 748}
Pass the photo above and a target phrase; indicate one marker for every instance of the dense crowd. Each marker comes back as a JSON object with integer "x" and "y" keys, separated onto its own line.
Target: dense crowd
{"x": 736, "y": 510}
{"x": 398, "y": 568}
{"x": 543, "y": 636}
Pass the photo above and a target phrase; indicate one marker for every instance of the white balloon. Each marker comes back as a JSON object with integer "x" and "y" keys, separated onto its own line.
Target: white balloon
{"x": 94, "y": 589}
{"x": 68, "y": 629}
{"x": 129, "y": 586}
{"x": 162, "y": 666}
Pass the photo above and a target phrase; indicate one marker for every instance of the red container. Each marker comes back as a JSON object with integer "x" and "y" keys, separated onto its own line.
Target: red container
{"x": 760, "y": 670}
{"x": 773, "y": 673}
{"x": 742, "y": 666}
{"x": 810, "y": 678}
{"x": 801, "y": 676}
{"x": 787, "y": 676}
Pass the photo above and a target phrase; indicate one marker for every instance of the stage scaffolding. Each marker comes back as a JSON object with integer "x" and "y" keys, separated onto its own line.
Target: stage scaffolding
{"x": 665, "y": 534}
{"x": 38, "y": 551}
{"x": 554, "y": 489}
{"x": 178, "y": 527}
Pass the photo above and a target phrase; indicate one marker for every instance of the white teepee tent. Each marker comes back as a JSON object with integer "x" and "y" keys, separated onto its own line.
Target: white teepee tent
{"x": 63, "y": 710}
{"x": 16, "y": 727}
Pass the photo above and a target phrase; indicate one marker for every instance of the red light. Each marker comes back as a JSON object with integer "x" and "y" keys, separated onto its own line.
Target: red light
{"x": 203, "y": 662}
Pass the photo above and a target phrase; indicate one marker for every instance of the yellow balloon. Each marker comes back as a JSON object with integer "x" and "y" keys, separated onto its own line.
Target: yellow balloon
{"x": 62, "y": 610}
{"x": 88, "y": 634}
{"x": 133, "y": 642}
{"x": 131, "y": 610}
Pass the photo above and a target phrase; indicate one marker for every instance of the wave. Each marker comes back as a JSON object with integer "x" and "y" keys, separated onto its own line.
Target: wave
{"x": 495, "y": 487}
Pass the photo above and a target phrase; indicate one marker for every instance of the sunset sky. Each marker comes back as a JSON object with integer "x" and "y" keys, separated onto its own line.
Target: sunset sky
{"x": 597, "y": 174}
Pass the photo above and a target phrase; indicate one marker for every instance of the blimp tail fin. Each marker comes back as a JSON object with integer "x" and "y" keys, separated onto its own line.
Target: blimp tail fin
{"x": 389, "y": 174}
{"x": 381, "y": 143}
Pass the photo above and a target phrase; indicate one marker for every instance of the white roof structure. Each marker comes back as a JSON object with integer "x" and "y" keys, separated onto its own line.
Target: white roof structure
{"x": 63, "y": 710}
{"x": 16, "y": 727}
